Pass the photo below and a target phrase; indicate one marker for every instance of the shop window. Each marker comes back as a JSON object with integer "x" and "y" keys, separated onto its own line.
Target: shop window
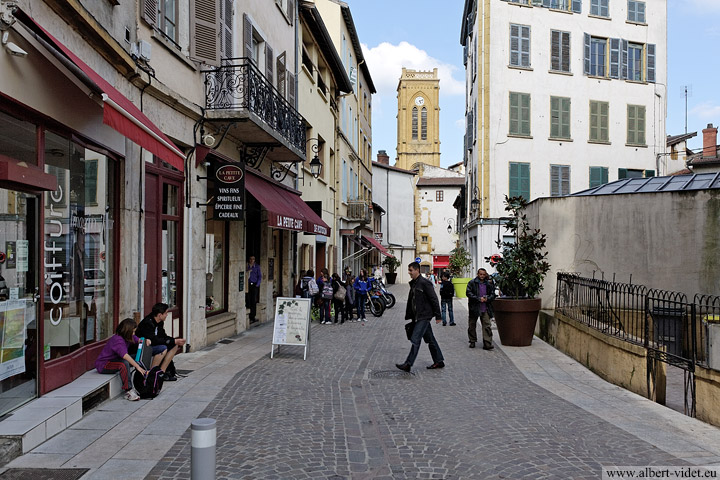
{"x": 78, "y": 247}
{"x": 18, "y": 139}
{"x": 215, "y": 265}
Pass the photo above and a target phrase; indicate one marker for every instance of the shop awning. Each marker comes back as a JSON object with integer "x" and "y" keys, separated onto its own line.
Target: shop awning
{"x": 286, "y": 210}
{"x": 377, "y": 245}
{"x": 441, "y": 261}
{"x": 118, "y": 111}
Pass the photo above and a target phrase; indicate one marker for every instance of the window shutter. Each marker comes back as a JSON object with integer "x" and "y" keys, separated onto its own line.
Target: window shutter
{"x": 594, "y": 7}
{"x": 640, "y": 122}
{"x": 514, "y": 186}
{"x": 280, "y": 64}
{"x": 525, "y": 114}
{"x": 554, "y": 117}
{"x": 587, "y": 55}
{"x": 423, "y": 124}
{"x": 555, "y": 50}
{"x": 514, "y": 113}
{"x": 465, "y": 54}
{"x": 641, "y": 12}
{"x": 291, "y": 88}
{"x": 595, "y": 176}
{"x": 624, "y": 59}
{"x": 525, "y": 45}
{"x": 614, "y": 58}
{"x": 622, "y": 173}
{"x": 204, "y": 28}
{"x": 631, "y": 124}
{"x": 565, "y": 180}
{"x": 632, "y": 11}
{"x": 269, "y": 60}
{"x": 650, "y": 62}
{"x": 226, "y": 23}
{"x": 649, "y": 173}
{"x": 604, "y": 172}
{"x": 514, "y": 44}
{"x": 577, "y": 6}
{"x": 525, "y": 180}
{"x": 565, "y": 117}
{"x": 594, "y": 121}
{"x": 565, "y": 52}
{"x": 604, "y": 9}
{"x": 604, "y": 121}
{"x": 150, "y": 11}
{"x": 247, "y": 36}
{"x": 554, "y": 181}
{"x": 291, "y": 11}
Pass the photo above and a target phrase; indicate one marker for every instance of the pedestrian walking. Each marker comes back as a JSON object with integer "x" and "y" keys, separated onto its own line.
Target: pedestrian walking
{"x": 254, "y": 275}
{"x": 361, "y": 286}
{"x": 481, "y": 293}
{"x": 447, "y": 292}
{"x": 422, "y": 306}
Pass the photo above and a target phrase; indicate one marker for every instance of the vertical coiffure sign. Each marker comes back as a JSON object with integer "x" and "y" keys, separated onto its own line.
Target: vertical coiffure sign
{"x": 228, "y": 194}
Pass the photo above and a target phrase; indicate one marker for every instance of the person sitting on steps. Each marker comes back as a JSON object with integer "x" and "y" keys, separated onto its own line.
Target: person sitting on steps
{"x": 164, "y": 347}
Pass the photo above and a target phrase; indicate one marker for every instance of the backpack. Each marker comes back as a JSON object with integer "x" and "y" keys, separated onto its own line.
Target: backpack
{"x": 340, "y": 294}
{"x": 150, "y": 384}
{"x": 327, "y": 291}
{"x": 313, "y": 287}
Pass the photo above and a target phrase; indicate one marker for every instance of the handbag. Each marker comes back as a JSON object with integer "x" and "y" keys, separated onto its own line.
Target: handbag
{"x": 409, "y": 328}
{"x": 340, "y": 294}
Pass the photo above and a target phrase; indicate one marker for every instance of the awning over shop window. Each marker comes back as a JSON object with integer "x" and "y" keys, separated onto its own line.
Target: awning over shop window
{"x": 286, "y": 210}
{"x": 118, "y": 111}
{"x": 377, "y": 245}
{"x": 441, "y": 261}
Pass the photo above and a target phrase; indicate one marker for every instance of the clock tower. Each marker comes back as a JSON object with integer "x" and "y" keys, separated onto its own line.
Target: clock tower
{"x": 418, "y": 119}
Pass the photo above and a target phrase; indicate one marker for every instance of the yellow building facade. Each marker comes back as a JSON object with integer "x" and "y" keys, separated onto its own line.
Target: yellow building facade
{"x": 418, "y": 119}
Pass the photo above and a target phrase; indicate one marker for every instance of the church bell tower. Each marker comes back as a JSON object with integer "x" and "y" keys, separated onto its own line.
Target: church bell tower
{"x": 418, "y": 119}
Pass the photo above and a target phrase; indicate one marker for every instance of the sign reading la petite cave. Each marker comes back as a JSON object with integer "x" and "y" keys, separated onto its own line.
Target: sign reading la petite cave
{"x": 229, "y": 191}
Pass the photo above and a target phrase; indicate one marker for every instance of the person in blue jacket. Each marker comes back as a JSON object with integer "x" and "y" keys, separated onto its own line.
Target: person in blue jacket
{"x": 361, "y": 287}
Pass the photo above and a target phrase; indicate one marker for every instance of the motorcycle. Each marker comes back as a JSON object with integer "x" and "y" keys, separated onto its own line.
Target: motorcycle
{"x": 384, "y": 293}
{"x": 375, "y": 303}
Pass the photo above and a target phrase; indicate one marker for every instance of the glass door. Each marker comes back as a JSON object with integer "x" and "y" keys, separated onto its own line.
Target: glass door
{"x": 19, "y": 266}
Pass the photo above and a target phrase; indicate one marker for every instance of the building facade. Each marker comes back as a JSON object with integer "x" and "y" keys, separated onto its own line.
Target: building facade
{"x": 418, "y": 119}
{"x": 561, "y": 95}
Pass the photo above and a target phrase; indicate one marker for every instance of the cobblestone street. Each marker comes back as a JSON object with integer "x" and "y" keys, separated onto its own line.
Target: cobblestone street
{"x": 347, "y": 412}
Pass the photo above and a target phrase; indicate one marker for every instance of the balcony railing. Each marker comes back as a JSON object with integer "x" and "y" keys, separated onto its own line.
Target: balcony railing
{"x": 239, "y": 85}
{"x": 359, "y": 210}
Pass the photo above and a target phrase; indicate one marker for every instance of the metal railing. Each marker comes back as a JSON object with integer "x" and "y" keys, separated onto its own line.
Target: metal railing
{"x": 655, "y": 319}
{"x": 238, "y": 84}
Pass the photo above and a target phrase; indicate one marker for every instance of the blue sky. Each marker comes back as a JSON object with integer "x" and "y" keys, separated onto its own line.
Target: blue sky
{"x": 423, "y": 34}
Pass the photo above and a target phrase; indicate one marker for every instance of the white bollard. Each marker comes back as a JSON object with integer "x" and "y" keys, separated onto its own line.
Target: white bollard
{"x": 202, "y": 455}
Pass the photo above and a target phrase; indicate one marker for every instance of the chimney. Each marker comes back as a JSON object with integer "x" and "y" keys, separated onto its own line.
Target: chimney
{"x": 382, "y": 156}
{"x": 710, "y": 141}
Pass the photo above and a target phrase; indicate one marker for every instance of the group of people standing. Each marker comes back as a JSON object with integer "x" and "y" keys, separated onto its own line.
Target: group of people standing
{"x": 423, "y": 305}
{"x": 344, "y": 294}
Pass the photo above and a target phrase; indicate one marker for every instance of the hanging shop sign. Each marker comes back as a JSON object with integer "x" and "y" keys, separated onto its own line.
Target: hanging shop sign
{"x": 228, "y": 192}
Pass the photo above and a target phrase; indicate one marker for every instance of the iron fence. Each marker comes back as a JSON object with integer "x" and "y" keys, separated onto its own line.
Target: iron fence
{"x": 616, "y": 309}
{"x": 238, "y": 84}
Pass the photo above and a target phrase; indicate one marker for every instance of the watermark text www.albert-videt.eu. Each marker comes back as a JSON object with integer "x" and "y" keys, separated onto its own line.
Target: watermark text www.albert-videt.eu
{"x": 647, "y": 472}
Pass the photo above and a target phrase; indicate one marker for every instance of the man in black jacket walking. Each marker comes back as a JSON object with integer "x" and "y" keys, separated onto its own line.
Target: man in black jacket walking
{"x": 422, "y": 306}
{"x": 480, "y": 293}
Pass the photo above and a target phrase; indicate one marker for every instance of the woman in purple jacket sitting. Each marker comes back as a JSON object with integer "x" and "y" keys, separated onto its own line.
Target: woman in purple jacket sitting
{"x": 115, "y": 357}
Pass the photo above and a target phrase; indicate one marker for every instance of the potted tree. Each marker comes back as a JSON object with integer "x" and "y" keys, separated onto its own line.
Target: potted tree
{"x": 392, "y": 264}
{"x": 520, "y": 273}
{"x": 459, "y": 262}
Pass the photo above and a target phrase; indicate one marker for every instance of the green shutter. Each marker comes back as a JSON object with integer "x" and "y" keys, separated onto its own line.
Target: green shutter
{"x": 565, "y": 118}
{"x": 554, "y": 117}
{"x": 622, "y": 173}
{"x": 554, "y": 180}
{"x": 514, "y": 113}
{"x": 649, "y": 173}
{"x": 525, "y": 114}
{"x": 640, "y": 125}
{"x": 604, "y": 121}
{"x": 631, "y": 127}
{"x": 513, "y": 187}
{"x": 525, "y": 180}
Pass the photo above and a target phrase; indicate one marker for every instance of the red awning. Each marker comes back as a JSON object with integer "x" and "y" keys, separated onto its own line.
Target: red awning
{"x": 120, "y": 113}
{"x": 286, "y": 210}
{"x": 377, "y": 245}
{"x": 441, "y": 261}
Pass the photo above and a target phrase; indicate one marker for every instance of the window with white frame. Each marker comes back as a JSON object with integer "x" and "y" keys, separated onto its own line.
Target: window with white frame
{"x": 598, "y": 56}
{"x": 635, "y": 55}
{"x": 600, "y": 8}
{"x": 636, "y": 11}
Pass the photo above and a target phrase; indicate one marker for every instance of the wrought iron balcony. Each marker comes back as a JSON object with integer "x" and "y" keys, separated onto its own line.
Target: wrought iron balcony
{"x": 359, "y": 211}
{"x": 239, "y": 85}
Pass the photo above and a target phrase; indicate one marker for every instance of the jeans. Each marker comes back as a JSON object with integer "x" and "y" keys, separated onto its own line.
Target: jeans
{"x": 449, "y": 305}
{"x": 339, "y": 310}
{"x": 325, "y": 311}
{"x": 360, "y": 304}
{"x": 423, "y": 331}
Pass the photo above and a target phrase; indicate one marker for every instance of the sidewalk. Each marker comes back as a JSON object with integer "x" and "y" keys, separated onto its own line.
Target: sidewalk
{"x": 122, "y": 439}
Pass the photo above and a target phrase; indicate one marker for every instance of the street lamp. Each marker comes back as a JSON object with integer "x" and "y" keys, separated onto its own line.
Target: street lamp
{"x": 451, "y": 225}
{"x": 316, "y": 165}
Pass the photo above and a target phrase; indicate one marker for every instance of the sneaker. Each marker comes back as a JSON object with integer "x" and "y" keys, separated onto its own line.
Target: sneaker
{"x": 132, "y": 395}
{"x": 169, "y": 378}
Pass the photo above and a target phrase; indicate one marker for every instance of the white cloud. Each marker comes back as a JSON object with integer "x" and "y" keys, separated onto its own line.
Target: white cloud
{"x": 460, "y": 124}
{"x": 706, "y": 111}
{"x": 386, "y": 61}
